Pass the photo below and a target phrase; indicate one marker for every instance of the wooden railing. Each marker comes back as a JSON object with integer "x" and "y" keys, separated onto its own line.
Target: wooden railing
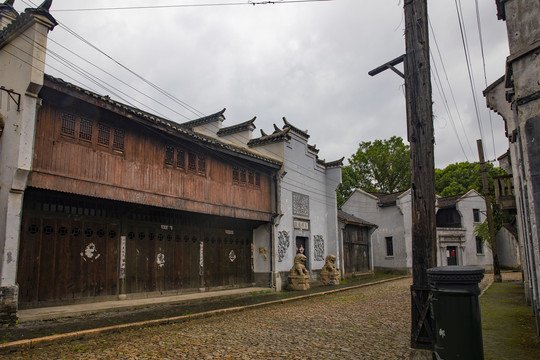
{"x": 504, "y": 192}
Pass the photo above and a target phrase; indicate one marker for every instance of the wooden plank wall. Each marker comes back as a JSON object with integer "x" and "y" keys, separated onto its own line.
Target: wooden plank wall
{"x": 89, "y": 169}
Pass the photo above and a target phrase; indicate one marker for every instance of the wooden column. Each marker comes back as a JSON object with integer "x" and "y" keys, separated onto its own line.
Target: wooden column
{"x": 421, "y": 139}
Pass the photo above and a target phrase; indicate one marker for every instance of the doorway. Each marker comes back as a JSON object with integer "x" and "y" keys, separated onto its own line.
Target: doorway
{"x": 451, "y": 255}
{"x": 302, "y": 248}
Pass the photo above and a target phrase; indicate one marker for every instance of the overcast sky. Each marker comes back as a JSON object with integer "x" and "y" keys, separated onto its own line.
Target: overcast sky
{"x": 307, "y": 62}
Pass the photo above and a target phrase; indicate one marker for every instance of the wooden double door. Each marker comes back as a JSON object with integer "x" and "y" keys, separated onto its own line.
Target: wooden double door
{"x": 64, "y": 259}
{"x": 163, "y": 258}
{"x": 356, "y": 249}
{"x": 73, "y": 248}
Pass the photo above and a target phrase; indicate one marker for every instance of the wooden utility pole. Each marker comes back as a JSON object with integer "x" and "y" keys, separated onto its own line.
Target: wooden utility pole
{"x": 496, "y": 267}
{"x": 421, "y": 139}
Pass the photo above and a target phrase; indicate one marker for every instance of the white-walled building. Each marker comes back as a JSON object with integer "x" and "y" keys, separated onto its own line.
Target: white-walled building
{"x": 306, "y": 217}
{"x": 305, "y": 203}
{"x": 391, "y": 242}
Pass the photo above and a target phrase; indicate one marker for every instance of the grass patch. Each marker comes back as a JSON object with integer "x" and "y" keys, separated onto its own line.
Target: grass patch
{"x": 508, "y": 324}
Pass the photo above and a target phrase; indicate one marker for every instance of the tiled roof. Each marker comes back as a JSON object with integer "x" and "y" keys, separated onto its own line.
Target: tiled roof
{"x": 353, "y": 220}
{"x": 448, "y": 201}
{"x": 272, "y": 138}
{"x": 288, "y": 125}
{"x": 204, "y": 120}
{"x": 313, "y": 148}
{"x": 248, "y": 125}
{"x": 331, "y": 164}
{"x": 24, "y": 20}
{"x": 157, "y": 122}
{"x": 387, "y": 199}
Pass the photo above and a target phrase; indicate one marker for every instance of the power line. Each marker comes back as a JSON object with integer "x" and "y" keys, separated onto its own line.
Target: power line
{"x": 465, "y": 45}
{"x": 118, "y": 79}
{"x": 186, "y": 106}
{"x": 83, "y": 73}
{"x": 252, "y": 3}
{"x": 484, "y": 67}
{"x": 438, "y": 85}
{"x": 451, "y": 91}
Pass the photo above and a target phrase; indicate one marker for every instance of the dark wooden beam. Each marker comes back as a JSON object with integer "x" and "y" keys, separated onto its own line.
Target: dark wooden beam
{"x": 389, "y": 65}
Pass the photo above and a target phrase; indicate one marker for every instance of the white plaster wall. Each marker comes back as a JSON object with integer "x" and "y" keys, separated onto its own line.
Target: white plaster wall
{"x": 21, "y": 69}
{"x": 239, "y": 138}
{"x": 262, "y": 250}
{"x": 391, "y": 223}
{"x": 508, "y": 249}
{"x": 272, "y": 150}
{"x": 465, "y": 206}
{"x": 304, "y": 176}
{"x": 209, "y": 129}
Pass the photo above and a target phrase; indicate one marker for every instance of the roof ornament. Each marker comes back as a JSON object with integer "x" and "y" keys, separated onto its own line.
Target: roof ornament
{"x": 288, "y": 124}
{"x": 46, "y": 5}
{"x": 263, "y": 133}
{"x": 276, "y": 129}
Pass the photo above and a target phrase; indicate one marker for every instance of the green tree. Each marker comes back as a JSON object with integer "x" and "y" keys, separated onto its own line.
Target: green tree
{"x": 378, "y": 166}
{"x": 461, "y": 177}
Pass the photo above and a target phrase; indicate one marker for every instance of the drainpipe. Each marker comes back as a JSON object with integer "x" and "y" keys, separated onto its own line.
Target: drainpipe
{"x": 275, "y": 214}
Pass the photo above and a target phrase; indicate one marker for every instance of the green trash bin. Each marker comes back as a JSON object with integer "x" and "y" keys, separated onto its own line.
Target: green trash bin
{"x": 455, "y": 309}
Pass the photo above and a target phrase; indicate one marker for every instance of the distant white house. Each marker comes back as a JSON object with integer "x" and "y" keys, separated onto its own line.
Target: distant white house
{"x": 391, "y": 242}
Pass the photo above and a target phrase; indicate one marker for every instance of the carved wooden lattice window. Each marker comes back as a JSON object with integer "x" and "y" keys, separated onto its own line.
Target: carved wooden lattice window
{"x": 104, "y": 134}
{"x": 169, "y": 155}
{"x": 251, "y": 177}
{"x": 201, "y": 168}
{"x": 68, "y": 124}
{"x": 85, "y": 130}
{"x": 242, "y": 176}
{"x": 257, "y": 179}
{"x": 192, "y": 162}
{"x": 235, "y": 175}
{"x": 118, "y": 139}
{"x": 180, "y": 159}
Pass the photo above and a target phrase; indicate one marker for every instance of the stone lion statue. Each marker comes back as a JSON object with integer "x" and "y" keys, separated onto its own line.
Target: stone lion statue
{"x": 330, "y": 275}
{"x": 299, "y": 267}
{"x": 330, "y": 264}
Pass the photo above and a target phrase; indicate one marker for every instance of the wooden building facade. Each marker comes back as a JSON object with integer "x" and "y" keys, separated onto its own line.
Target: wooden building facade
{"x": 120, "y": 201}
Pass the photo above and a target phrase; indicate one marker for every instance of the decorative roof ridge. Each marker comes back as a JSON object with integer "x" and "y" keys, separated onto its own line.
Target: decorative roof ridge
{"x": 330, "y": 164}
{"x": 335, "y": 163}
{"x": 7, "y": 8}
{"x": 204, "y": 120}
{"x": 288, "y": 125}
{"x": 23, "y": 20}
{"x": 313, "y": 148}
{"x": 283, "y": 135}
{"x": 167, "y": 124}
{"x": 388, "y": 199}
{"x": 246, "y": 125}
{"x": 348, "y": 218}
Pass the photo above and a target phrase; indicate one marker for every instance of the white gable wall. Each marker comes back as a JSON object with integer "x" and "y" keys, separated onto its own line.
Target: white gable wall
{"x": 473, "y": 200}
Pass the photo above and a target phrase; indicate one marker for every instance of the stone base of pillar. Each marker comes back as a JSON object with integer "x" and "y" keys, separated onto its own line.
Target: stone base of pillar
{"x": 298, "y": 282}
{"x": 9, "y": 297}
{"x": 330, "y": 278}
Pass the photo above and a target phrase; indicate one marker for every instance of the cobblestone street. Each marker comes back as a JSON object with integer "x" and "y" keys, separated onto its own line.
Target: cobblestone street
{"x": 365, "y": 323}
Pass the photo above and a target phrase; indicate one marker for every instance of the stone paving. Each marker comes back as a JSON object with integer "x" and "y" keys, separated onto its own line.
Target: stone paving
{"x": 366, "y": 323}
